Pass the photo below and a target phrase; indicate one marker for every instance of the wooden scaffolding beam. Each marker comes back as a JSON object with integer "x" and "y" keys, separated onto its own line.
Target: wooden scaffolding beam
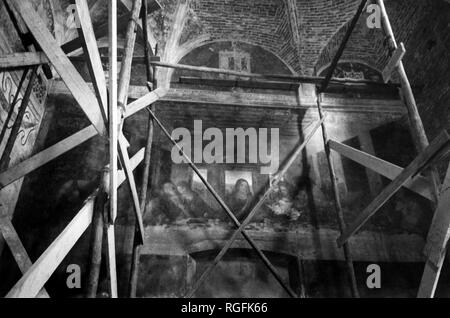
{"x": 20, "y": 60}
{"x": 113, "y": 147}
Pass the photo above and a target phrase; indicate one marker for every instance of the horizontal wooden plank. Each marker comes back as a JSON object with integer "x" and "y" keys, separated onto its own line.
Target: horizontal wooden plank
{"x": 39, "y": 273}
{"x": 20, "y": 60}
{"x": 414, "y": 168}
{"x": 419, "y": 184}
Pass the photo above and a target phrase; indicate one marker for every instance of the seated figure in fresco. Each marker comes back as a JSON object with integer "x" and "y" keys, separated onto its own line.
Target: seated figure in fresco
{"x": 240, "y": 200}
{"x": 167, "y": 207}
{"x": 282, "y": 202}
{"x": 192, "y": 202}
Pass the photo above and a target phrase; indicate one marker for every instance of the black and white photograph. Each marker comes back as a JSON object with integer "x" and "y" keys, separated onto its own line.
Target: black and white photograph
{"x": 224, "y": 149}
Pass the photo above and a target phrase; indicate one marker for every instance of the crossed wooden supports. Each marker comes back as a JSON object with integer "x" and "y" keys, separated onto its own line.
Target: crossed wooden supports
{"x": 100, "y": 113}
{"x": 102, "y": 109}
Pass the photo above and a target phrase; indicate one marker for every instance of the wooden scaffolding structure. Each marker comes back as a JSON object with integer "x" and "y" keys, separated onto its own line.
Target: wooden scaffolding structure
{"x": 107, "y": 108}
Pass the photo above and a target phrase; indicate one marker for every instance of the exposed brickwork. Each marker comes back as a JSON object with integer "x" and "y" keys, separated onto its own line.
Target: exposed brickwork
{"x": 319, "y": 21}
{"x": 256, "y": 22}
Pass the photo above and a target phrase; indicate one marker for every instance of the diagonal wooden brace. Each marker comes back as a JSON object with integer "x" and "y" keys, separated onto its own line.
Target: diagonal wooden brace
{"x": 419, "y": 184}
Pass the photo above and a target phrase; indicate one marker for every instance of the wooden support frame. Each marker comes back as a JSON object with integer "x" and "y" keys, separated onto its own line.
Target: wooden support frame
{"x": 418, "y": 184}
{"x": 40, "y": 272}
{"x": 35, "y": 278}
{"x": 438, "y": 145}
{"x": 21, "y": 60}
{"x": 276, "y": 180}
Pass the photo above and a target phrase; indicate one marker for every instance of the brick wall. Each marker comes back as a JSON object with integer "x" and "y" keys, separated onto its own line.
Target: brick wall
{"x": 259, "y": 22}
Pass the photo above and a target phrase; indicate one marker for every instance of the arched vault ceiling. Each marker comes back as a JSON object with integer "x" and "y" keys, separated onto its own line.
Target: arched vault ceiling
{"x": 298, "y": 31}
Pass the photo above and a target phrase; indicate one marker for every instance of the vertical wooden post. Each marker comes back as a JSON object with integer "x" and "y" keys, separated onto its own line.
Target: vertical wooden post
{"x": 97, "y": 227}
{"x": 301, "y": 278}
{"x": 337, "y": 201}
{"x": 113, "y": 145}
{"x": 134, "y": 274}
